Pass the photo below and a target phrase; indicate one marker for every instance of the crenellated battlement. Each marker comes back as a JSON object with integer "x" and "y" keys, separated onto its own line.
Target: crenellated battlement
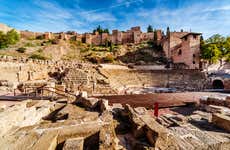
{"x": 134, "y": 35}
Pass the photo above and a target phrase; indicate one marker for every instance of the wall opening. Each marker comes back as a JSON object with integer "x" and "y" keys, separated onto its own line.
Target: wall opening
{"x": 179, "y": 52}
{"x": 218, "y": 84}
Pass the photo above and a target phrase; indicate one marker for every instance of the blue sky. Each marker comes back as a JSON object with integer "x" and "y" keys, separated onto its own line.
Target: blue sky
{"x": 206, "y": 16}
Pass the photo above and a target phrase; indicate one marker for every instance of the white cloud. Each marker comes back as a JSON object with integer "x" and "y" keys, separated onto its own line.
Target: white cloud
{"x": 51, "y": 16}
{"x": 193, "y": 17}
{"x": 98, "y": 17}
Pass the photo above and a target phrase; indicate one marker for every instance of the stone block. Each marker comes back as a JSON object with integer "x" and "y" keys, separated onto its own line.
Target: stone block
{"x": 47, "y": 141}
{"x": 217, "y": 109}
{"x": 104, "y": 105}
{"x": 88, "y": 102}
{"x": 10, "y": 117}
{"x": 221, "y": 120}
{"x": 74, "y": 144}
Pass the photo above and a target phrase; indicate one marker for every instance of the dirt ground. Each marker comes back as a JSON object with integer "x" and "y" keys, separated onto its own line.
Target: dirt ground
{"x": 145, "y": 100}
{"x": 164, "y": 99}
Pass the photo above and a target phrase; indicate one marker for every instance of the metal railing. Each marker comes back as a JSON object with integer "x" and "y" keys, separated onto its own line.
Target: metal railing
{"x": 46, "y": 92}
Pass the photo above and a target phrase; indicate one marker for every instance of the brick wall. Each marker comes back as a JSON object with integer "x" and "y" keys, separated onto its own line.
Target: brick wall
{"x": 29, "y": 34}
{"x": 188, "y": 52}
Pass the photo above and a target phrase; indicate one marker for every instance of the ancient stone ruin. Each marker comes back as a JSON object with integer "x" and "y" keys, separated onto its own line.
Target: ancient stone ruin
{"x": 64, "y": 104}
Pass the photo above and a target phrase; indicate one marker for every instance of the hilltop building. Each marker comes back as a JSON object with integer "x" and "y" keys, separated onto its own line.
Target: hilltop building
{"x": 181, "y": 48}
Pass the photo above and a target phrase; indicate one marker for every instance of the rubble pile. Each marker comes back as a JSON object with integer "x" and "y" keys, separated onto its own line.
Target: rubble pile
{"x": 91, "y": 123}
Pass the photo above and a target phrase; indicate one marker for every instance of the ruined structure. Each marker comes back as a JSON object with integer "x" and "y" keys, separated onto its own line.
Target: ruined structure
{"x": 183, "y": 48}
{"x": 134, "y": 35}
{"x": 47, "y": 104}
{"x": 180, "y": 48}
{"x": 90, "y": 123}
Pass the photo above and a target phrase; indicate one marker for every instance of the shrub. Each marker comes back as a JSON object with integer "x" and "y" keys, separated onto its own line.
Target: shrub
{"x": 11, "y": 37}
{"x": 38, "y": 56}
{"x": 41, "y": 37}
{"x": 21, "y": 50}
{"x": 29, "y": 45}
{"x": 108, "y": 59}
{"x": 40, "y": 50}
{"x": 93, "y": 58}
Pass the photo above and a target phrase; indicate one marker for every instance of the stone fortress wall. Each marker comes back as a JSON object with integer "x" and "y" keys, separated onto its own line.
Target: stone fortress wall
{"x": 134, "y": 35}
{"x": 182, "y": 48}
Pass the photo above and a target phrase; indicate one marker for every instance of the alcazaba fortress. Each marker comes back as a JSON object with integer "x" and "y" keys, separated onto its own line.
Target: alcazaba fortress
{"x": 181, "y": 48}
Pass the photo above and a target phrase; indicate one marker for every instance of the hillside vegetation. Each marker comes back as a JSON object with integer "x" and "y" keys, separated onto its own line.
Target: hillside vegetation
{"x": 77, "y": 51}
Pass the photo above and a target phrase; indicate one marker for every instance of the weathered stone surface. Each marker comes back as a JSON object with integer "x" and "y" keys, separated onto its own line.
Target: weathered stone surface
{"x": 221, "y": 120}
{"x": 74, "y": 144}
{"x": 73, "y": 112}
{"x": 107, "y": 137}
{"x": 48, "y": 140}
{"x": 137, "y": 123}
{"x": 146, "y": 125}
{"x": 19, "y": 141}
{"x": 218, "y": 100}
{"x": 88, "y": 102}
{"x": 67, "y": 126}
{"x": 104, "y": 105}
{"x": 217, "y": 109}
{"x": 24, "y": 114}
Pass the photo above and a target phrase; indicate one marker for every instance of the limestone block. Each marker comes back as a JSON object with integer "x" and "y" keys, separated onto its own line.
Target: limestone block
{"x": 84, "y": 94}
{"x": 137, "y": 123}
{"x": 74, "y": 144}
{"x": 19, "y": 140}
{"x": 88, "y": 102}
{"x": 47, "y": 141}
{"x": 145, "y": 125}
{"x": 22, "y": 115}
{"x": 222, "y": 121}
{"x": 107, "y": 137}
{"x": 218, "y": 109}
{"x": 73, "y": 112}
{"x": 104, "y": 105}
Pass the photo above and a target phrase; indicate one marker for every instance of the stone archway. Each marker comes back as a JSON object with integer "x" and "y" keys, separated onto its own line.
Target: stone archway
{"x": 218, "y": 84}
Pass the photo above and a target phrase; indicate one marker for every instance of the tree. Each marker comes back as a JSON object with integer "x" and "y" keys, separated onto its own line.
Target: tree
{"x": 11, "y": 37}
{"x": 111, "y": 47}
{"x": 100, "y": 30}
{"x": 210, "y": 52}
{"x": 168, "y": 31}
{"x": 202, "y": 42}
{"x": 216, "y": 38}
{"x": 155, "y": 36}
{"x": 227, "y": 49}
{"x": 226, "y": 45}
{"x": 3, "y": 41}
{"x": 150, "y": 29}
{"x": 106, "y": 31}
